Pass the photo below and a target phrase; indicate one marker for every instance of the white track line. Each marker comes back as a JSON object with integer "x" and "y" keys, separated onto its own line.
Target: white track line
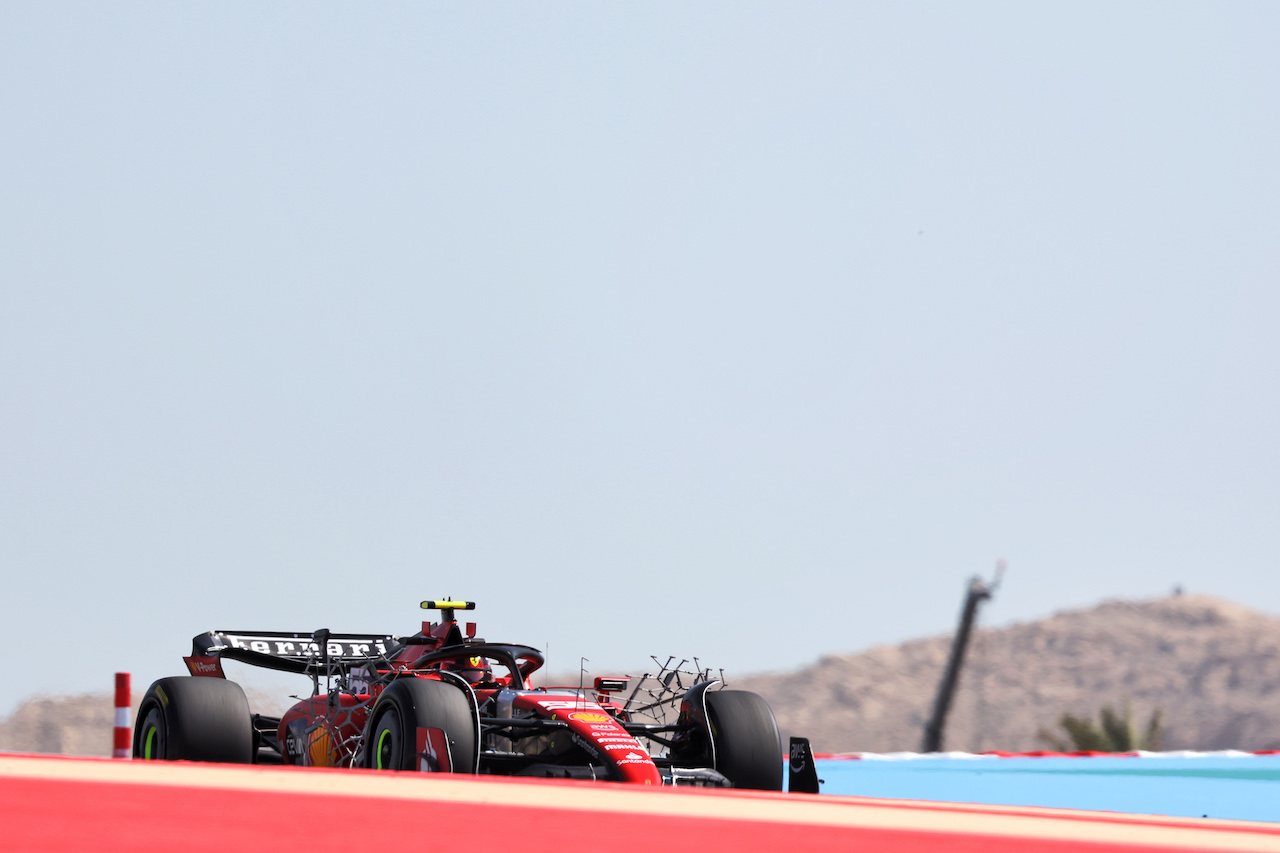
{"x": 820, "y": 811}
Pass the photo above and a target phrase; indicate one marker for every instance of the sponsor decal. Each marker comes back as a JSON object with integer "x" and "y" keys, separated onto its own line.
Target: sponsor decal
{"x": 568, "y": 705}
{"x": 304, "y": 648}
{"x": 160, "y": 694}
{"x": 613, "y": 747}
{"x": 614, "y": 739}
{"x": 797, "y": 757}
{"x": 361, "y": 679}
{"x": 590, "y": 717}
{"x": 206, "y": 665}
{"x": 293, "y": 741}
{"x": 433, "y": 751}
{"x": 588, "y": 747}
{"x": 321, "y": 751}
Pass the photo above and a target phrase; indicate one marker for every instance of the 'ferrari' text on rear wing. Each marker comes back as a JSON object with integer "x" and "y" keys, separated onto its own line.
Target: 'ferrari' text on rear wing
{"x": 294, "y": 646}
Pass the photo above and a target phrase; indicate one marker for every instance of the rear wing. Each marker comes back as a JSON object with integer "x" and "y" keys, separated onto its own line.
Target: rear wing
{"x": 291, "y": 652}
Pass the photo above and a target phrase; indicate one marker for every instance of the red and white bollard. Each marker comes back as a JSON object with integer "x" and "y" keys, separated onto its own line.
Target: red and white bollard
{"x": 122, "y": 746}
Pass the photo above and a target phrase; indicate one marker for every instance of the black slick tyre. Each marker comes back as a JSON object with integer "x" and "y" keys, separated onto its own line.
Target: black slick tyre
{"x": 410, "y": 704}
{"x": 185, "y": 718}
{"x": 748, "y": 748}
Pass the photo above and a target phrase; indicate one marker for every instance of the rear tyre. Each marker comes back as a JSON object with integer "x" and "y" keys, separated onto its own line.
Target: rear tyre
{"x": 194, "y": 719}
{"x": 748, "y": 747}
{"x": 410, "y": 704}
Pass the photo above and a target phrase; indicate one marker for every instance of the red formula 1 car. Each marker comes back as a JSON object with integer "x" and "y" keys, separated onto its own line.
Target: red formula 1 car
{"x": 444, "y": 700}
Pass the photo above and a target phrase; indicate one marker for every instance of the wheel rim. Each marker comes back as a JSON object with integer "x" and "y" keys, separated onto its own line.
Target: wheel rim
{"x": 387, "y": 745}
{"x": 151, "y": 746}
{"x": 383, "y": 749}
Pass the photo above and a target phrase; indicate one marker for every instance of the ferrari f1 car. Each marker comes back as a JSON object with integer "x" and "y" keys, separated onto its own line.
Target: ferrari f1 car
{"x": 444, "y": 700}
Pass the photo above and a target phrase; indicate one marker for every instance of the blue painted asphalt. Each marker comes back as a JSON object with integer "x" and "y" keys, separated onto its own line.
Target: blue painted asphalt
{"x": 1243, "y": 788}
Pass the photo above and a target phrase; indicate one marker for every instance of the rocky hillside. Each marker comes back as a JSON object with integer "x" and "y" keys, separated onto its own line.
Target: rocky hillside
{"x": 72, "y": 725}
{"x": 1211, "y": 666}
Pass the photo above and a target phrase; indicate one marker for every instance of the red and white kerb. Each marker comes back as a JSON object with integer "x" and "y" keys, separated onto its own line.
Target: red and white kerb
{"x": 121, "y": 746}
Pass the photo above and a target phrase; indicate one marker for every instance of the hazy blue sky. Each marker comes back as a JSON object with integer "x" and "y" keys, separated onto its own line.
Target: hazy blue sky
{"x": 740, "y": 330}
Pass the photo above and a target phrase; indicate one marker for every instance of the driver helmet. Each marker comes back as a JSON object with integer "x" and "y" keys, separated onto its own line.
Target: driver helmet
{"x": 474, "y": 669}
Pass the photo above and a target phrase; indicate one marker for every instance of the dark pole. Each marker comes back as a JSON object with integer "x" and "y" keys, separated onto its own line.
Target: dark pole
{"x": 978, "y": 592}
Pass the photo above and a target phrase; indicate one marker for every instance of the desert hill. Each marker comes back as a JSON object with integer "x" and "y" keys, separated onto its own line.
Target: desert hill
{"x": 1211, "y": 666}
{"x": 70, "y": 725}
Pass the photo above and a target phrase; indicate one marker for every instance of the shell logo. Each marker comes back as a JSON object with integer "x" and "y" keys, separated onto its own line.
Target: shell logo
{"x": 320, "y": 748}
{"x": 590, "y": 717}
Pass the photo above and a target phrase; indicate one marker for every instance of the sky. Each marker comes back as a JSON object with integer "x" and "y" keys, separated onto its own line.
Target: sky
{"x": 741, "y": 330}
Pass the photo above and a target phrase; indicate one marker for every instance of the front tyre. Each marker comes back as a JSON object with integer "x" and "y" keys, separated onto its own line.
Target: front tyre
{"x": 422, "y": 724}
{"x": 748, "y": 747}
{"x": 185, "y": 718}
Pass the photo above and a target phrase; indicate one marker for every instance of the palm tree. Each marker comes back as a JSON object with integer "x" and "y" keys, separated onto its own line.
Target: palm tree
{"x": 1113, "y": 733}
